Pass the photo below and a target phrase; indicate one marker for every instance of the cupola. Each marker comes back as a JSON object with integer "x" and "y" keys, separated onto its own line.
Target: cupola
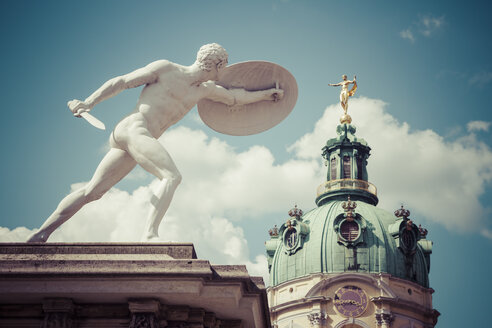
{"x": 346, "y": 159}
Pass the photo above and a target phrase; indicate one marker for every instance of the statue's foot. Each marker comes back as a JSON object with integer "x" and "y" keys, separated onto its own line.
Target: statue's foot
{"x": 37, "y": 237}
{"x": 151, "y": 239}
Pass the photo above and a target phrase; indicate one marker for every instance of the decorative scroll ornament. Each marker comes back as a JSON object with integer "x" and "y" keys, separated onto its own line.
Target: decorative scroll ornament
{"x": 385, "y": 318}
{"x": 144, "y": 320}
{"x": 58, "y": 313}
{"x": 316, "y": 318}
{"x": 57, "y": 320}
{"x": 407, "y": 240}
{"x": 294, "y": 231}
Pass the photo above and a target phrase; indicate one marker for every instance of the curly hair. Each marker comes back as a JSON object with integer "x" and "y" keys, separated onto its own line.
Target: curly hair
{"x": 211, "y": 55}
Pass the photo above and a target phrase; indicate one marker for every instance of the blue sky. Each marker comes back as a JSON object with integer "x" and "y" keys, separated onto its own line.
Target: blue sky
{"x": 424, "y": 76}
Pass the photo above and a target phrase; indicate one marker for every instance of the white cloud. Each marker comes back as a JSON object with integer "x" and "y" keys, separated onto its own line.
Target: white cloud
{"x": 16, "y": 235}
{"x": 429, "y": 24}
{"x": 222, "y": 189}
{"x": 481, "y": 78}
{"x": 407, "y": 34}
{"x": 477, "y": 126}
{"x": 436, "y": 179}
{"x": 426, "y": 25}
{"x": 487, "y": 233}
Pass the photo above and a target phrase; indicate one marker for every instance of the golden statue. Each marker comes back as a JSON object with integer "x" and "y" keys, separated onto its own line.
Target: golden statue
{"x": 344, "y": 96}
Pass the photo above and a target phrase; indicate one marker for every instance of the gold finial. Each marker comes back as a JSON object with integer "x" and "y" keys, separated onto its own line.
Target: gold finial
{"x": 344, "y": 96}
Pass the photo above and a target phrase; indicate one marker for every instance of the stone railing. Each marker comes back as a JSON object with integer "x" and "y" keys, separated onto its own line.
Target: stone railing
{"x": 342, "y": 184}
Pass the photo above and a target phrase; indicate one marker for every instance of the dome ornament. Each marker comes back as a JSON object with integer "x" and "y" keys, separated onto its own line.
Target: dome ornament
{"x": 273, "y": 232}
{"x": 423, "y": 232}
{"x": 289, "y": 225}
{"x": 296, "y": 212}
{"x": 402, "y": 213}
{"x": 349, "y": 207}
{"x": 293, "y": 231}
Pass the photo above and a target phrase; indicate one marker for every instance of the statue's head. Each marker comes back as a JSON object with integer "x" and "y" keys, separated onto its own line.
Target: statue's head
{"x": 344, "y": 77}
{"x": 211, "y": 56}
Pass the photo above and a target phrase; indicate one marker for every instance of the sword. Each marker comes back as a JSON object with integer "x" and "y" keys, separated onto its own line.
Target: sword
{"x": 93, "y": 121}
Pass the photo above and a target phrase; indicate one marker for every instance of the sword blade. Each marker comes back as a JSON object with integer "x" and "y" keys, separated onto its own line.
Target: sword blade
{"x": 93, "y": 121}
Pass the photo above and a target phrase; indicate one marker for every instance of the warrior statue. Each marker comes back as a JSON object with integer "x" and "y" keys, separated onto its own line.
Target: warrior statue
{"x": 170, "y": 92}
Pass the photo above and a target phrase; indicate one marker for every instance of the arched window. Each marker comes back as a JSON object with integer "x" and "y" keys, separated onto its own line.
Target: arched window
{"x": 333, "y": 169}
{"x": 359, "y": 168}
{"x": 346, "y": 167}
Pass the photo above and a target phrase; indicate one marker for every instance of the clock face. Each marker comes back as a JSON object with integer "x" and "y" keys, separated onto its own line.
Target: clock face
{"x": 350, "y": 301}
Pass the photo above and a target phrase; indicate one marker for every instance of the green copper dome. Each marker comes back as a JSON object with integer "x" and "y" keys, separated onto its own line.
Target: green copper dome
{"x": 343, "y": 235}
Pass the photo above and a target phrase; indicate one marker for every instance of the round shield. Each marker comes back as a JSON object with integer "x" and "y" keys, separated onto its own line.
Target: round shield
{"x": 242, "y": 120}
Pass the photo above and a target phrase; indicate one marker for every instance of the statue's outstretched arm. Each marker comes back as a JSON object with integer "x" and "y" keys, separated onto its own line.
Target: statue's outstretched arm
{"x": 239, "y": 96}
{"x": 111, "y": 88}
{"x": 334, "y": 84}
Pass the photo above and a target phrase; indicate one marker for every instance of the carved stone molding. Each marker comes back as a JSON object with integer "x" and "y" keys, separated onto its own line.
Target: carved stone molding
{"x": 144, "y": 313}
{"x": 57, "y": 313}
{"x": 384, "y": 318}
{"x": 316, "y": 318}
{"x": 144, "y": 320}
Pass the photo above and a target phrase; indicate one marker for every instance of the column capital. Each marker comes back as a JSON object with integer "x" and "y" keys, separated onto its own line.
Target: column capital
{"x": 316, "y": 318}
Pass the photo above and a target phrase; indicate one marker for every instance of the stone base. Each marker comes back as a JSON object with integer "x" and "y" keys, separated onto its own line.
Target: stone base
{"x": 124, "y": 285}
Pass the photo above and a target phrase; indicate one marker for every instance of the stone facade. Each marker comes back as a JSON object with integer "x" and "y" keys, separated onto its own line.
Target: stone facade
{"x": 124, "y": 285}
{"x": 392, "y": 302}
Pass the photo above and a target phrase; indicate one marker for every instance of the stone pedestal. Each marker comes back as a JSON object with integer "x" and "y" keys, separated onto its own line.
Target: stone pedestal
{"x": 125, "y": 285}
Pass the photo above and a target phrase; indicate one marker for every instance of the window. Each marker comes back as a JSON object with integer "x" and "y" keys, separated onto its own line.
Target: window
{"x": 346, "y": 167}
{"x": 359, "y": 168}
{"x": 291, "y": 238}
{"x": 407, "y": 239}
{"x": 333, "y": 169}
{"x": 349, "y": 230}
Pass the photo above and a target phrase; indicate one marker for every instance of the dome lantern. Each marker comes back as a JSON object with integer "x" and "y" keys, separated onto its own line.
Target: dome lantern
{"x": 346, "y": 159}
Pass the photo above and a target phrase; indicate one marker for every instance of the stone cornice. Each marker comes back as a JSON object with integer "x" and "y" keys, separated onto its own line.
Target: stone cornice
{"x": 114, "y": 272}
{"x": 410, "y": 305}
{"x": 301, "y": 301}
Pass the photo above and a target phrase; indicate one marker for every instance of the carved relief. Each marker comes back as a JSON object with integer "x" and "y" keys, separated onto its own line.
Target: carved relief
{"x": 57, "y": 320}
{"x": 57, "y": 313}
{"x": 144, "y": 320}
{"x": 316, "y": 318}
{"x": 384, "y": 318}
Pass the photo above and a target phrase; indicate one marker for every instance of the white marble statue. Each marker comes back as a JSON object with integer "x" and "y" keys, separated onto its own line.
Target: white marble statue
{"x": 170, "y": 92}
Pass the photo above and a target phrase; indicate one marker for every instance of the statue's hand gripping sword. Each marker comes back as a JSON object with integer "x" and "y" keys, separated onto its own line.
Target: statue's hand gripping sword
{"x": 74, "y": 106}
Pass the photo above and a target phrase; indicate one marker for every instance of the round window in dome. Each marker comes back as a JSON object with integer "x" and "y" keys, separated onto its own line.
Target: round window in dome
{"x": 349, "y": 230}
{"x": 408, "y": 239}
{"x": 291, "y": 238}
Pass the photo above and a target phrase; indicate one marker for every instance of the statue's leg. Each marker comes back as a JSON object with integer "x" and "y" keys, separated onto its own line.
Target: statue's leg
{"x": 344, "y": 102}
{"x": 151, "y": 155}
{"x": 115, "y": 165}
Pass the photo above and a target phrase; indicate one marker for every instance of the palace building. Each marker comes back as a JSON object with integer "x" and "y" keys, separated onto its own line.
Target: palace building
{"x": 348, "y": 263}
